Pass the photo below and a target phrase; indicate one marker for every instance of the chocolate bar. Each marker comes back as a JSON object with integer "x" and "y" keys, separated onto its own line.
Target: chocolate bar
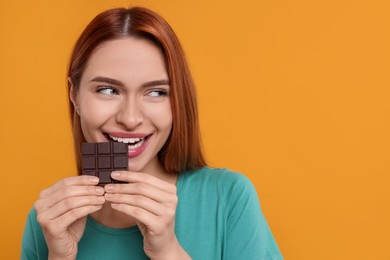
{"x": 100, "y": 159}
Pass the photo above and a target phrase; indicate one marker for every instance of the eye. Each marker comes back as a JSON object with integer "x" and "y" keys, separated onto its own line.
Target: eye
{"x": 158, "y": 93}
{"x": 109, "y": 91}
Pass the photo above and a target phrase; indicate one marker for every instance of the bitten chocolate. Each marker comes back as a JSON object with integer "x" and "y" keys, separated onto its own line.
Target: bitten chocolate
{"x": 100, "y": 159}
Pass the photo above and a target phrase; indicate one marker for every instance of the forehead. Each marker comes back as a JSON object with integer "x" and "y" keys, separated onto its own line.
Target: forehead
{"x": 126, "y": 59}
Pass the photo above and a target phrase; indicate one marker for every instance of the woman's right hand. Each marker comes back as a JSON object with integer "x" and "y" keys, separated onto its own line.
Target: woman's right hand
{"x": 62, "y": 210}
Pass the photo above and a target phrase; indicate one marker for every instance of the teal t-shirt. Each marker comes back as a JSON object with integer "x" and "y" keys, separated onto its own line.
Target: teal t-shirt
{"x": 218, "y": 216}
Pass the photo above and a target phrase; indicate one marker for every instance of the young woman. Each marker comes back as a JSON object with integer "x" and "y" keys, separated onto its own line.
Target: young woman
{"x": 129, "y": 82}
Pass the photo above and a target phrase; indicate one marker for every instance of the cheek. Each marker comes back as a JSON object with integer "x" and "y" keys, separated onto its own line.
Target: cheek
{"x": 161, "y": 117}
{"x": 166, "y": 118}
{"x": 93, "y": 114}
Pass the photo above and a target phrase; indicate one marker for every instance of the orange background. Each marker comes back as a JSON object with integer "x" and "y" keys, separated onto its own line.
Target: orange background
{"x": 294, "y": 94}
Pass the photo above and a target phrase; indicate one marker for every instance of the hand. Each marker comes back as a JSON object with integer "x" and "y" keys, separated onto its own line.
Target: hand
{"x": 62, "y": 210}
{"x": 152, "y": 203}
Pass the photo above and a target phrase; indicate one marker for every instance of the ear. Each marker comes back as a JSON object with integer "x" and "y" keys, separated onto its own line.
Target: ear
{"x": 73, "y": 96}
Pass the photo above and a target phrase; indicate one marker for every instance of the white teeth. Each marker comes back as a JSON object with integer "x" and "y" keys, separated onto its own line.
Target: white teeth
{"x": 134, "y": 146}
{"x": 134, "y": 141}
{"x": 129, "y": 140}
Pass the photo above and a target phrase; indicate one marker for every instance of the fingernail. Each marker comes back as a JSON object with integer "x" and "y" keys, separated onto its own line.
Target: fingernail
{"x": 109, "y": 195}
{"x": 101, "y": 199}
{"x": 99, "y": 190}
{"x": 115, "y": 174}
{"x": 93, "y": 179}
{"x": 109, "y": 187}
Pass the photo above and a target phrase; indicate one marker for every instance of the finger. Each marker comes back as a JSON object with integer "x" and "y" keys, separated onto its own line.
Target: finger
{"x": 138, "y": 201}
{"x": 143, "y": 189}
{"x": 70, "y": 204}
{"x": 134, "y": 177}
{"x": 67, "y": 192}
{"x": 70, "y": 181}
{"x": 139, "y": 214}
{"x": 65, "y": 220}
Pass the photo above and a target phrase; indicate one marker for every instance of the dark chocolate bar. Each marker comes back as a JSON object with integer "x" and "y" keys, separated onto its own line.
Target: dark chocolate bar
{"x": 100, "y": 159}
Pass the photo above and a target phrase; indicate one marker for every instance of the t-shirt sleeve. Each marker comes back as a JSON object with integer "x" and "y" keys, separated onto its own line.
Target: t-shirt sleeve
{"x": 28, "y": 241}
{"x": 248, "y": 235}
{"x": 33, "y": 241}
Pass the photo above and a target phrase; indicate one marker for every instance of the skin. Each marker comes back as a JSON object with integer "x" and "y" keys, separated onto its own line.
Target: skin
{"x": 138, "y": 102}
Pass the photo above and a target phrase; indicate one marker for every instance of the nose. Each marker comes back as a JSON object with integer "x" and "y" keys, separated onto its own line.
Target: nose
{"x": 130, "y": 113}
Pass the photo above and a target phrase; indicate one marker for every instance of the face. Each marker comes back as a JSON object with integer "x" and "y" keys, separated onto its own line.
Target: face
{"x": 124, "y": 97}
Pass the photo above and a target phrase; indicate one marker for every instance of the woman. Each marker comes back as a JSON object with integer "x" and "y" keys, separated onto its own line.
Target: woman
{"x": 129, "y": 82}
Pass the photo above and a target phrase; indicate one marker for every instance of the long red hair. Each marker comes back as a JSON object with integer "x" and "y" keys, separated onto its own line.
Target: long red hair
{"x": 183, "y": 150}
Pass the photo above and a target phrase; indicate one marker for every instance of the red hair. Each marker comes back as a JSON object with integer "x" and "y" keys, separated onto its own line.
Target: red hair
{"x": 182, "y": 151}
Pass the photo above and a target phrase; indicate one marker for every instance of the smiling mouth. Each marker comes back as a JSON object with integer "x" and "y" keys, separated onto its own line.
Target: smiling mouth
{"x": 133, "y": 143}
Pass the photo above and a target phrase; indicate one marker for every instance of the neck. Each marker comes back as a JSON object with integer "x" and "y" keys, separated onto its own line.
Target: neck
{"x": 112, "y": 218}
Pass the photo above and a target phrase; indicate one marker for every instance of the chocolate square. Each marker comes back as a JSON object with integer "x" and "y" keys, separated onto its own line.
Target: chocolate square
{"x": 89, "y": 163}
{"x": 120, "y": 161}
{"x": 119, "y": 148}
{"x": 91, "y": 173}
{"x": 104, "y": 148}
{"x": 89, "y": 148}
{"x": 104, "y": 162}
{"x": 104, "y": 177}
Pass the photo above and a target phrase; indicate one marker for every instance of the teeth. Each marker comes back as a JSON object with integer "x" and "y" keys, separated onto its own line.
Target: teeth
{"x": 133, "y": 141}
{"x": 134, "y": 146}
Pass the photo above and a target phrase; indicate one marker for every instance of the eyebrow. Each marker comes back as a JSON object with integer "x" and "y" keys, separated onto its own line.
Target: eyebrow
{"x": 118, "y": 83}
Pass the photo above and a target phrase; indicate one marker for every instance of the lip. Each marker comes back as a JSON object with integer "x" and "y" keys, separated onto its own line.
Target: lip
{"x": 137, "y": 151}
{"x": 128, "y": 135}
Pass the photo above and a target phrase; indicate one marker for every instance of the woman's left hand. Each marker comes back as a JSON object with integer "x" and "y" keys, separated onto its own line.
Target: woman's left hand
{"x": 152, "y": 203}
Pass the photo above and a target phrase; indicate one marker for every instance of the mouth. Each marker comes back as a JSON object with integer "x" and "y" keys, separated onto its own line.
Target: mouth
{"x": 136, "y": 143}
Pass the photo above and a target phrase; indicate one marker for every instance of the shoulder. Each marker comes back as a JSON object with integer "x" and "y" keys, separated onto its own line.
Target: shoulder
{"x": 213, "y": 174}
{"x": 225, "y": 180}
{"x": 33, "y": 241}
{"x": 32, "y": 218}
{"x": 33, "y": 223}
